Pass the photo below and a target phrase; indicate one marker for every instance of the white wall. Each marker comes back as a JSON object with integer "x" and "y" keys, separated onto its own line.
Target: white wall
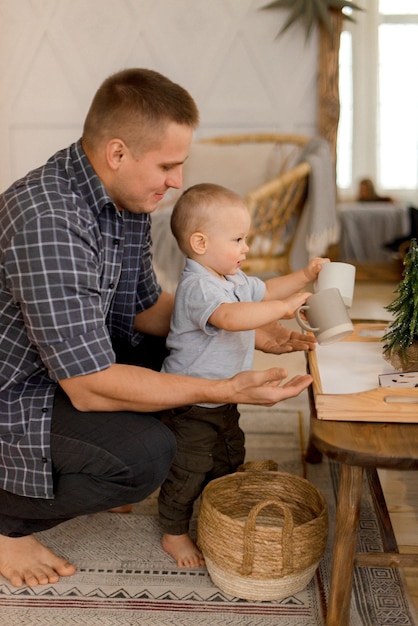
{"x": 55, "y": 53}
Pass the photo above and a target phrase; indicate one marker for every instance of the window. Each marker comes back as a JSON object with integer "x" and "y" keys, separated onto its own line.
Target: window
{"x": 378, "y": 130}
{"x": 345, "y": 126}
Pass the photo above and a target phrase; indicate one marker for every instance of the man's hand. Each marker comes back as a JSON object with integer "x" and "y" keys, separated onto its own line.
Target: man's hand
{"x": 265, "y": 388}
{"x": 277, "y": 339}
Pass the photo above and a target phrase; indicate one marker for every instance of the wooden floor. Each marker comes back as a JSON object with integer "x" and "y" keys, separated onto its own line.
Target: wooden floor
{"x": 374, "y": 290}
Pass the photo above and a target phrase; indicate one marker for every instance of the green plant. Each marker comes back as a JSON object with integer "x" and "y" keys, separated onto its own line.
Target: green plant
{"x": 403, "y": 329}
{"x": 311, "y": 12}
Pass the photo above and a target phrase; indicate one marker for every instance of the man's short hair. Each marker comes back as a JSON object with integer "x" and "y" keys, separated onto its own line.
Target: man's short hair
{"x": 135, "y": 105}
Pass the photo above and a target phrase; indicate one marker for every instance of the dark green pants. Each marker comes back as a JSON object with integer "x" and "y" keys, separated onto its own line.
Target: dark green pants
{"x": 210, "y": 444}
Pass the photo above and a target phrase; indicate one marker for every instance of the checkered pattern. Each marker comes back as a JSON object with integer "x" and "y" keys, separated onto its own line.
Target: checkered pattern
{"x": 74, "y": 271}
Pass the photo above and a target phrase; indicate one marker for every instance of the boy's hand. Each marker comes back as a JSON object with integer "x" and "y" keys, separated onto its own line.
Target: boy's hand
{"x": 292, "y": 303}
{"x": 314, "y": 267}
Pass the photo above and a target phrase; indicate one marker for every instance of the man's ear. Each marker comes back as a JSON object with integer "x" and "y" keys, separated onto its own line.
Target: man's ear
{"x": 115, "y": 152}
{"x": 198, "y": 243}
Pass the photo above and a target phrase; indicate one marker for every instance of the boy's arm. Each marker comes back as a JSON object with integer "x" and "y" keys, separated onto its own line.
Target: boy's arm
{"x": 236, "y": 316}
{"x": 281, "y": 287}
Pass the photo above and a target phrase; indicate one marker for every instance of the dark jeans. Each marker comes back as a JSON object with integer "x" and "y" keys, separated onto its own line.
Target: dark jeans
{"x": 100, "y": 460}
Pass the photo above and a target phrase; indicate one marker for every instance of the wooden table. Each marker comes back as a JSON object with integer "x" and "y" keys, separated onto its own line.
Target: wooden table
{"x": 360, "y": 447}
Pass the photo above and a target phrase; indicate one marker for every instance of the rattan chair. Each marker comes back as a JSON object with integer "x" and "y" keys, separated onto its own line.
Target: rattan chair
{"x": 277, "y": 205}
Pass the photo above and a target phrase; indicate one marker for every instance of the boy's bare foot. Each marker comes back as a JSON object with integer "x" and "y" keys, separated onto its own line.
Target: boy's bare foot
{"x": 125, "y": 508}
{"x": 183, "y": 550}
{"x": 25, "y": 561}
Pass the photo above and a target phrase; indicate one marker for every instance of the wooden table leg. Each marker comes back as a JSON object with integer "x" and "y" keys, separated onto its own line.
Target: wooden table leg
{"x": 382, "y": 514}
{"x": 345, "y": 543}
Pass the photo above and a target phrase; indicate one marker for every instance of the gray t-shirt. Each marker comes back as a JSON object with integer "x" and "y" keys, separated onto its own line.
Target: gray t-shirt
{"x": 196, "y": 347}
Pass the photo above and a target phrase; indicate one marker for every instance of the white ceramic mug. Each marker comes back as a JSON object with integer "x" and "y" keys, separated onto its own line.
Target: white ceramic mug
{"x": 327, "y": 316}
{"x": 339, "y": 275}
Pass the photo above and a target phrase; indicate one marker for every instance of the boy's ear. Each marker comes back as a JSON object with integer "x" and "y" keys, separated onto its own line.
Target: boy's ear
{"x": 198, "y": 243}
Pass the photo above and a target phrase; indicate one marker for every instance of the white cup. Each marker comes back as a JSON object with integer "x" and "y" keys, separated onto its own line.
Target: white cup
{"x": 327, "y": 316}
{"x": 339, "y": 275}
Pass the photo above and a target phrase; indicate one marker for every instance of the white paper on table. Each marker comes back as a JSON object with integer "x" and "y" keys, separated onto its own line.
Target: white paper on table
{"x": 351, "y": 367}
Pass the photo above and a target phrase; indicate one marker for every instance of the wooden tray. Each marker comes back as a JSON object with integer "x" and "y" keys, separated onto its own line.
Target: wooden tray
{"x": 349, "y": 389}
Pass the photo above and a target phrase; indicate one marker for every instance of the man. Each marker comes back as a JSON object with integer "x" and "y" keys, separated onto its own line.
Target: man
{"x": 83, "y": 322}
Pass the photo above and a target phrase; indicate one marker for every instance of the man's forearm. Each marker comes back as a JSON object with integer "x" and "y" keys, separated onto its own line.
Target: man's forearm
{"x": 156, "y": 320}
{"x": 131, "y": 388}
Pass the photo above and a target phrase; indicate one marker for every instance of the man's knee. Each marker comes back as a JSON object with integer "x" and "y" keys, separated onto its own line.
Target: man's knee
{"x": 153, "y": 453}
{"x": 146, "y": 462}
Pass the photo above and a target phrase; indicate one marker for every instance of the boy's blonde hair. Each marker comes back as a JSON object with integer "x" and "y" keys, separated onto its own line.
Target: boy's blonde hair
{"x": 195, "y": 209}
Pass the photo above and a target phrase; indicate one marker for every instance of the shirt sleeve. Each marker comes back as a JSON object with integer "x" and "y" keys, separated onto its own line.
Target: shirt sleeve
{"x": 53, "y": 272}
{"x": 206, "y": 295}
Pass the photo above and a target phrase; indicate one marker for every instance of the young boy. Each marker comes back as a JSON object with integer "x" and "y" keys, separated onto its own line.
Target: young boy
{"x": 217, "y": 308}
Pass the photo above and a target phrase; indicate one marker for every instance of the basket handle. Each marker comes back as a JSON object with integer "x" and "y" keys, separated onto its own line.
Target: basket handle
{"x": 249, "y": 529}
{"x": 265, "y": 465}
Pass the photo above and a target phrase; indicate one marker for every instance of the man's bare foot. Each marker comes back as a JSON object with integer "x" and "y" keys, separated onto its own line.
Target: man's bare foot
{"x": 183, "y": 550}
{"x": 125, "y": 508}
{"x": 25, "y": 561}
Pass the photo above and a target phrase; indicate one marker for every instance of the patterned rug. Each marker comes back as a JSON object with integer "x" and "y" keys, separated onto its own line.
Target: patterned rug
{"x": 125, "y": 578}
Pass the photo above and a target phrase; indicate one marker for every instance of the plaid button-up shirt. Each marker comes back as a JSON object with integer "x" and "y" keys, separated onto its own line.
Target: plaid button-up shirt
{"x": 74, "y": 271}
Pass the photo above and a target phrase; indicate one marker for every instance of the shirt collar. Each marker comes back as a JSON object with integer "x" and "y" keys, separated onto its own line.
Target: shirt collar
{"x": 232, "y": 280}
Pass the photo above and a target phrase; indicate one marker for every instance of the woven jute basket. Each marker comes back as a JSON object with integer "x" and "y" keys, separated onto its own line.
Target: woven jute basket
{"x": 262, "y": 533}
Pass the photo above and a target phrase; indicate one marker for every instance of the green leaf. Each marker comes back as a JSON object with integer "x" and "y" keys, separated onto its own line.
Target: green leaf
{"x": 311, "y": 12}
{"x": 403, "y": 329}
